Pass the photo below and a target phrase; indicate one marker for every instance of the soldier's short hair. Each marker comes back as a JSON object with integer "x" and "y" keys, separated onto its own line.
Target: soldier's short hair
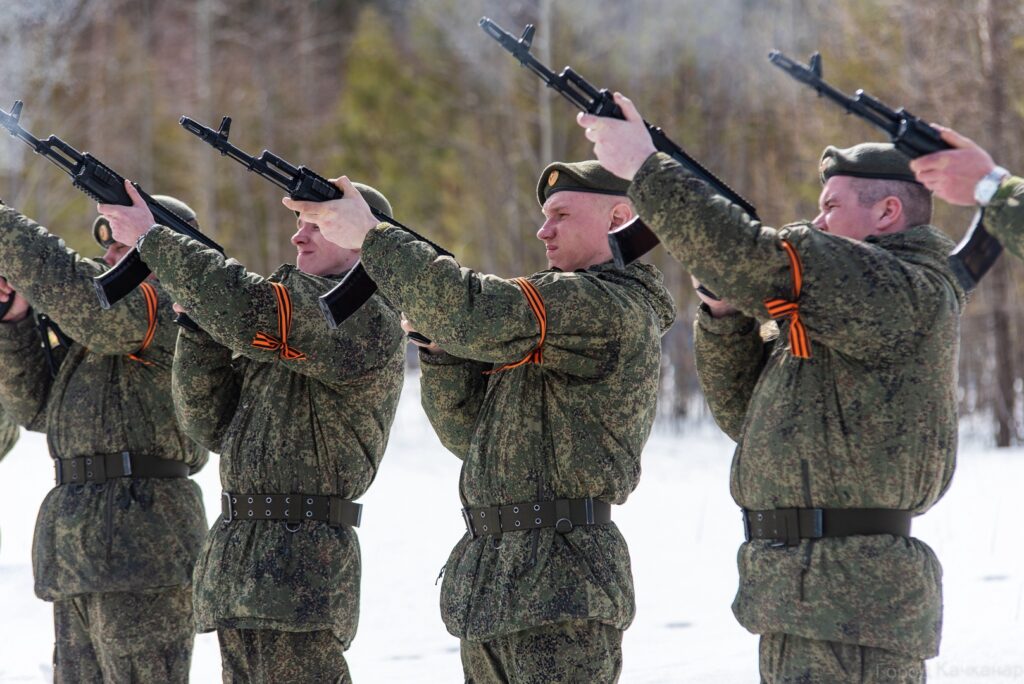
{"x": 915, "y": 198}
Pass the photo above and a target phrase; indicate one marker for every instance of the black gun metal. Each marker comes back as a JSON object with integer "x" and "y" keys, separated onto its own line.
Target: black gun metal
{"x": 301, "y": 183}
{"x": 635, "y": 238}
{"x": 103, "y": 184}
{"x": 978, "y": 250}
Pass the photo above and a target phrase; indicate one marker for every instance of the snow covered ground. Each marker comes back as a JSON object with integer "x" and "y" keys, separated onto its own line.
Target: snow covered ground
{"x": 683, "y": 530}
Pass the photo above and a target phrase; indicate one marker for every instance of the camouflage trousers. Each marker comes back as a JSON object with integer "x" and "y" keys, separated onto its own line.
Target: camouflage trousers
{"x": 270, "y": 656}
{"x": 124, "y": 637}
{"x": 583, "y": 651}
{"x": 788, "y": 659}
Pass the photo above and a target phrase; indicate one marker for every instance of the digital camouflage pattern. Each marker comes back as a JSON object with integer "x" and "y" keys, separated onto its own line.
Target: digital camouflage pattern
{"x": 788, "y": 659}
{"x": 570, "y": 428}
{"x": 868, "y": 421}
{"x": 8, "y": 434}
{"x": 124, "y": 638}
{"x": 577, "y": 651}
{"x": 127, "y": 534}
{"x": 313, "y": 426}
{"x": 266, "y": 656}
{"x": 1004, "y": 215}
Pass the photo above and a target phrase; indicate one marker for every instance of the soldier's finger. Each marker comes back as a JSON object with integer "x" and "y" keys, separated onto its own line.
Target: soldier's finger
{"x": 629, "y": 109}
{"x": 586, "y": 120}
{"x": 346, "y": 186}
{"x": 955, "y": 139}
{"x": 307, "y": 209}
{"x": 136, "y": 198}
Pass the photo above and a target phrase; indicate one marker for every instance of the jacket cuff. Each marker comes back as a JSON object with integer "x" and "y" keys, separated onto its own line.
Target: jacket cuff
{"x": 732, "y": 324}
{"x": 441, "y": 358}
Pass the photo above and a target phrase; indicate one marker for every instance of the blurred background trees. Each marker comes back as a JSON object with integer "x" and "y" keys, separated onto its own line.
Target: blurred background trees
{"x": 413, "y": 98}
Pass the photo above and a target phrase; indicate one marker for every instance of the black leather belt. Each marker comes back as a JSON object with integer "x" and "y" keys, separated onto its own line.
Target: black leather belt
{"x": 101, "y": 468}
{"x": 562, "y": 514}
{"x": 787, "y": 526}
{"x": 293, "y": 508}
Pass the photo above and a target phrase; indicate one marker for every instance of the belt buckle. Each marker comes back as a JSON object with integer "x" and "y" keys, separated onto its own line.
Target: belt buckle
{"x": 225, "y": 508}
{"x": 126, "y": 463}
{"x": 788, "y": 519}
{"x": 817, "y": 530}
{"x": 468, "y": 519}
{"x": 58, "y": 471}
{"x": 95, "y": 469}
{"x": 746, "y": 523}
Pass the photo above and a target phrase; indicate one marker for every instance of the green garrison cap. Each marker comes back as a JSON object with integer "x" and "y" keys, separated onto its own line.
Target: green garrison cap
{"x": 374, "y": 198}
{"x": 867, "y": 160}
{"x": 104, "y": 237}
{"x": 583, "y": 176}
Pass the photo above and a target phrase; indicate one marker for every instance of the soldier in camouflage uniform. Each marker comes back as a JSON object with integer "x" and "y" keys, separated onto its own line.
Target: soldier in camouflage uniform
{"x": 846, "y": 423}
{"x": 117, "y": 538}
{"x": 546, "y": 390}
{"x": 300, "y": 415}
{"x": 967, "y": 176}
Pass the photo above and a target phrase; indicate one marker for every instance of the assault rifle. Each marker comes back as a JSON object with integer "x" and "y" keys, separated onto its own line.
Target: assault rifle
{"x": 305, "y": 185}
{"x": 634, "y": 239}
{"x": 976, "y": 253}
{"x": 102, "y": 184}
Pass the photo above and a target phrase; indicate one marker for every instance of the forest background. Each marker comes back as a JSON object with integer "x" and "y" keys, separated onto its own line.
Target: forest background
{"x": 413, "y": 98}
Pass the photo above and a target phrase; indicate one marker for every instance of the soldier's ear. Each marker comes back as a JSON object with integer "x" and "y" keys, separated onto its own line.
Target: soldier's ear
{"x": 621, "y": 214}
{"x": 891, "y": 215}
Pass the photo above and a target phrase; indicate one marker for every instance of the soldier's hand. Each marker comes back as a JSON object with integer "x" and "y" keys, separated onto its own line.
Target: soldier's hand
{"x": 718, "y": 307}
{"x": 622, "y": 147}
{"x": 18, "y": 305}
{"x": 178, "y": 308}
{"x": 127, "y": 223}
{"x": 345, "y": 221}
{"x": 408, "y": 328}
{"x": 952, "y": 174}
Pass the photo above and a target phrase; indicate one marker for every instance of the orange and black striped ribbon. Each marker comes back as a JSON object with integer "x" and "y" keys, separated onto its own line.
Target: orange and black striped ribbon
{"x": 284, "y": 326}
{"x": 783, "y": 308}
{"x": 533, "y": 298}
{"x": 149, "y": 293}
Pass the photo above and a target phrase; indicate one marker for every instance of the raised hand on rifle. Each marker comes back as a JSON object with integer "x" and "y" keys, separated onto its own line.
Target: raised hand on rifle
{"x": 344, "y": 221}
{"x": 128, "y": 222}
{"x": 954, "y": 175}
{"x": 621, "y": 145}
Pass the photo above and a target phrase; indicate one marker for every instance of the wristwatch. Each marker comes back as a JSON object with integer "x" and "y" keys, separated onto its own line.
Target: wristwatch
{"x": 986, "y": 188}
{"x": 138, "y": 241}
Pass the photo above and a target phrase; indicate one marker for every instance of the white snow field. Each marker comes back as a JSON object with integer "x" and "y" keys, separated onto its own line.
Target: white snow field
{"x": 683, "y": 530}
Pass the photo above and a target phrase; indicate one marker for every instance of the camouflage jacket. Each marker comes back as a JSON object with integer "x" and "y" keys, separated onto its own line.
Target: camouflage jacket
{"x": 128, "y": 534}
{"x": 1004, "y": 215}
{"x": 868, "y": 421}
{"x": 317, "y": 425}
{"x": 8, "y": 434}
{"x": 571, "y": 427}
